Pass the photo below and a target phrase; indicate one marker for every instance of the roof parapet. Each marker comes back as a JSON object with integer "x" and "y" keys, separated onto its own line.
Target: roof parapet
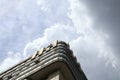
{"x": 53, "y": 45}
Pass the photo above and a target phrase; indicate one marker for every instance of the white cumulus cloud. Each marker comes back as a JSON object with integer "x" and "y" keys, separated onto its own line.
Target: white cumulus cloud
{"x": 73, "y": 24}
{"x": 89, "y": 45}
{"x": 11, "y": 59}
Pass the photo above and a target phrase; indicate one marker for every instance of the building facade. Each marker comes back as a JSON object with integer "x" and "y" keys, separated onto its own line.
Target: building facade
{"x": 55, "y": 62}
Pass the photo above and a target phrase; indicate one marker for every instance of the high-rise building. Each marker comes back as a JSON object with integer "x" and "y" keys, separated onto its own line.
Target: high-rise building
{"x": 55, "y": 62}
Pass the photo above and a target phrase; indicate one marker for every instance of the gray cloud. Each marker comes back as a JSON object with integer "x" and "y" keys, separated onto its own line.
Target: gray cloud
{"x": 95, "y": 55}
{"x": 106, "y": 14}
{"x": 80, "y": 23}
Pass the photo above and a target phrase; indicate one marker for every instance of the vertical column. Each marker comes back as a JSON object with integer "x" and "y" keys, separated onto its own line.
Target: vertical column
{"x": 56, "y": 76}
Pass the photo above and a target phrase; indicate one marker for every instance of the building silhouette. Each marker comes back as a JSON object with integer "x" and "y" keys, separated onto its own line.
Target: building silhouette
{"x": 55, "y": 62}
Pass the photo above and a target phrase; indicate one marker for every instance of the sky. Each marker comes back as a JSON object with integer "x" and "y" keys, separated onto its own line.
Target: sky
{"x": 90, "y": 26}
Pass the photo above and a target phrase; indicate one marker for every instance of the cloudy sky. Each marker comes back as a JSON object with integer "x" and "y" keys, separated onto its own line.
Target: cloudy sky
{"x": 92, "y": 27}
